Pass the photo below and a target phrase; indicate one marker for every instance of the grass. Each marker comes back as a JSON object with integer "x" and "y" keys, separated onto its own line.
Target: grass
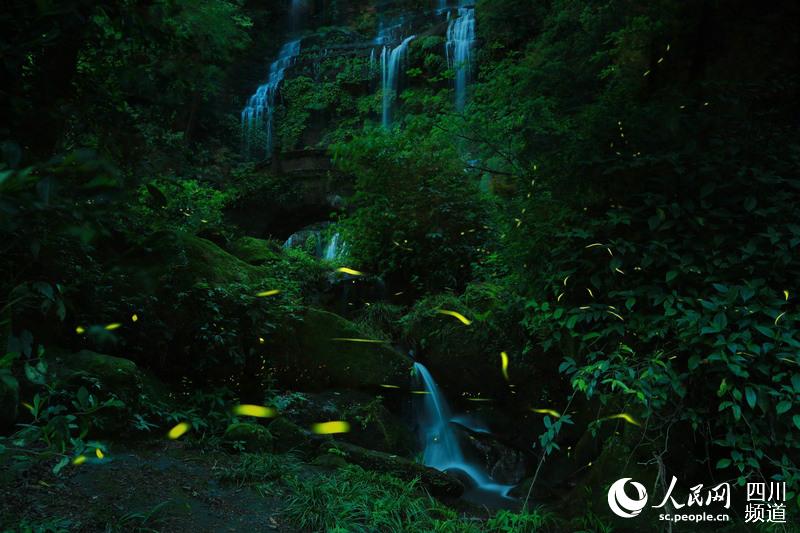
{"x": 261, "y": 468}
{"x": 356, "y": 501}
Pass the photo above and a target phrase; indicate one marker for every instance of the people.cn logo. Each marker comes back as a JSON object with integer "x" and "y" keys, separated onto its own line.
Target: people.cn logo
{"x": 621, "y": 504}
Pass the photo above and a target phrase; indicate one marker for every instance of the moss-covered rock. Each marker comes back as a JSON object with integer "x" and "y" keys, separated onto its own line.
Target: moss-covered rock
{"x": 254, "y": 251}
{"x": 321, "y": 354}
{"x": 120, "y": 375}
{"x": 205, "y": 261}
{"x": 372, "y": 425}
{"x": 9, "y": 401}
{"x": 288, "y": 436}
{"x": 439, "y": 484}
{"x": 249, "y": 437}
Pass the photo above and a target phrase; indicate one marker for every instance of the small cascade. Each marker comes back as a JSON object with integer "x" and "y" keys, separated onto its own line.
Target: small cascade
{"x": 333, "y": 249}
{"x": 391, "y": 61}
{"x": 257, "y": 116}
{"x": 315, "y": 240}
{"x": 460, "y": 41}
{"x": 442, "y": 449}
{"x": 296, "y": 13}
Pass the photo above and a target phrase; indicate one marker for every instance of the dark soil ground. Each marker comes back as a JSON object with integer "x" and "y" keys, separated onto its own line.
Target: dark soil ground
{"x": 154, "y": 486}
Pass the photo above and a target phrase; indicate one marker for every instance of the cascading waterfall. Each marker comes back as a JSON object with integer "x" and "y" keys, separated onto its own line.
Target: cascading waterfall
{"x": 460, "y": 41}
{"x": 316, "y": 240}
{"x": 333, "y": 249}
{"x": 257, "y": 116}
{"x": 295, "y": 13}
{"x": 391, "y": 61}
{"x": 442, "y": 449}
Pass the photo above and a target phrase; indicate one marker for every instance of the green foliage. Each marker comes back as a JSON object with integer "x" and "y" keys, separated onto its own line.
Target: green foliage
{"x": 419, "y": 217}
{"x": 532, "y": 521}
{"x": 262, "y": 468}
{"x": 357, "y": 500}
{"x": 181, "y": 204}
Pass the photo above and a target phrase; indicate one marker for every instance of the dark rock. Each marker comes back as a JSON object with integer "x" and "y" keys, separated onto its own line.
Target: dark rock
{"x": 288, "y": 436}
{"x": 252, "y": 438}
{"x": 9, "y": 401}
{"x": 438, "y": 484}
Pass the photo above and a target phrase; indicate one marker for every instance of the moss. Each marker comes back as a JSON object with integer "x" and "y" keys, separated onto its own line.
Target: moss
{"x": 115, "y": 372}
{"x": 253, "y": 437}
{"x": 314, "y": 360}
{"x": 254, "y": 251}
{"x": 208, "y": 262}
{"x": 288, "y": 436}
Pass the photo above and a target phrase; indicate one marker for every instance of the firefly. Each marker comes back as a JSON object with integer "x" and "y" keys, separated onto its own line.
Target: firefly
{"x": 550, "y": 412}
{"x": 329, "y": 428}
{"x": 504, "y": 364}
{"x": 464, "y": 320}
{"x": 258, "y": 411}
{"x": 345, "y": 270}
{"x": 264, "y": 294}
{"x": 176, "y": 432}
{"x": 626, "y": 417}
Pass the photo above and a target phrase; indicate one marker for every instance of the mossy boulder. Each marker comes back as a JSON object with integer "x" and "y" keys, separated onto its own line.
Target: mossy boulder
{"x": 438, "y": 484}
{"x": 288, "y": 436}
{"x": 250, "y": 437}
{"x": 323, "y": 352}
{"x": 372, "y": 425}
{"x": 107, "y": 377}
{"x": 254, "y": 251}
{"x": 118, "y": 374}
{"x": 205, "y": 261}
{"x": 9, "y": 401}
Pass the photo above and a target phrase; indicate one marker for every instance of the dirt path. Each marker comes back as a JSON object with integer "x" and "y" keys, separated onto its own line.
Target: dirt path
{"x": 161, "y": 487}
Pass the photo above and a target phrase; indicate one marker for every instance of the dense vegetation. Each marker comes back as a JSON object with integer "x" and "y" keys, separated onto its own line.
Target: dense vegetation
{"x": 614, "y": 211}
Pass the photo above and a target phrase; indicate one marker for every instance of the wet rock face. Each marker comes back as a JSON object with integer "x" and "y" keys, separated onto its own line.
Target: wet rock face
{"x": 504, "y": 464}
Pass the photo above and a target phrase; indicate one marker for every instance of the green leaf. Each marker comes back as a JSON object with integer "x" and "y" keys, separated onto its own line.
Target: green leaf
{"x": 783, "y": 406}
{"x": 796, "y": 420}
{"x": 720, "y": 321}
{"x": 747, "y": 293}
{"x": 750, "y": 394}
{"x": 672, "y": 274}
{"x": 796, "y": 383}
{"x": 723, "y": 463}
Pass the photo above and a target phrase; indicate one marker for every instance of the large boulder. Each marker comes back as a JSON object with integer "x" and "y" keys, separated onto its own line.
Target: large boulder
{"x": 245, "y": 436}
{"x": 437, "y": 483}
{"x": 289, "y": 437}
{"x": 254, "y": 251}
{"x": 107, "y": 378}
{"x": 372, "y": 425}
{"x": 324, "y": 352}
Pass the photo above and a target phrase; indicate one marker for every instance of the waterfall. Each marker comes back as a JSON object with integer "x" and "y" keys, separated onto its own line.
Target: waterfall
{"x": 391, "y": 62}
{"x": 442, "y": 449}
{"x": 295, "y": 13}
{"x": 319, "y": 244}
{"x": 333, "y": 249}
{"x": 460, "y": 40}
{"x": 257, "y": 116}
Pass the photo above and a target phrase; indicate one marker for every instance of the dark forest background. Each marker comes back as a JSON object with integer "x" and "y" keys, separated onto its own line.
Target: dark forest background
{"x": 615, "y": 209}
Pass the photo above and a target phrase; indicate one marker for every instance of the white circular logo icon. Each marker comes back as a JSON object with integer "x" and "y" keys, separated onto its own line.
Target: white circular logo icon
{"x": 621, "y": 504}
